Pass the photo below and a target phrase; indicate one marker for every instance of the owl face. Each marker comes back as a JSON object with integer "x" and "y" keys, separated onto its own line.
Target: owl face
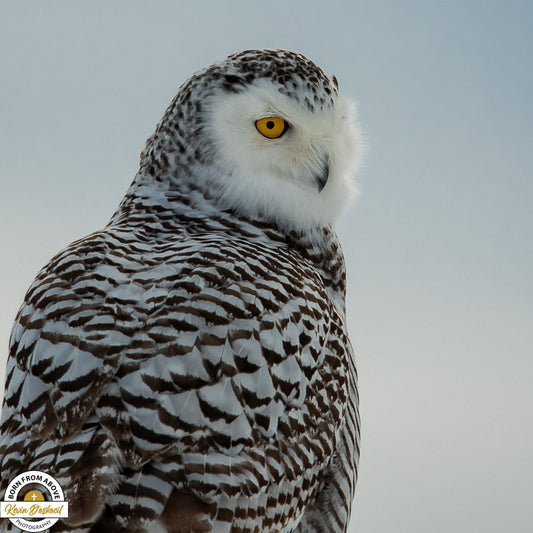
{"x": 283, "y": 159}
{"x": 268, "y": 134}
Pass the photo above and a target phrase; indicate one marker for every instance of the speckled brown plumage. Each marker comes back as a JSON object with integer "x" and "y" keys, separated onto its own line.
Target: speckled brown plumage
{"x": 187, "y": 368}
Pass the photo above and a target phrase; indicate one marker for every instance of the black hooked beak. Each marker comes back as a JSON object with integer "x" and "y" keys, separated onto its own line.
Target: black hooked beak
{"x": 322, "y": 178}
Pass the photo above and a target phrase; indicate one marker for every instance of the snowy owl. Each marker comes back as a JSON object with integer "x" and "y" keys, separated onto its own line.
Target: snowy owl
{"x": 187, "y": 368}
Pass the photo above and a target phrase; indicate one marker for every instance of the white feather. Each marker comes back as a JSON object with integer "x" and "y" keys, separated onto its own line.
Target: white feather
{"x": 276, "y": 178}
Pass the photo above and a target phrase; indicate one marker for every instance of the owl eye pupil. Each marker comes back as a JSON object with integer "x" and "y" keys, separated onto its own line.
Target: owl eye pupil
{"x": 270, "y": 124}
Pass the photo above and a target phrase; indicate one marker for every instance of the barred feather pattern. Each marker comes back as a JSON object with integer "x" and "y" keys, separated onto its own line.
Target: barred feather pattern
{"x": 187, "y": 369}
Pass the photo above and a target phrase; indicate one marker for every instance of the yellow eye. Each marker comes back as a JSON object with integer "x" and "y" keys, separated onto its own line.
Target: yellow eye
{"x": 272, "y": 127}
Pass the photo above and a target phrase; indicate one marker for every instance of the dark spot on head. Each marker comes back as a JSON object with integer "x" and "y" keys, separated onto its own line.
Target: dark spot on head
{"x": 233, "y": 83}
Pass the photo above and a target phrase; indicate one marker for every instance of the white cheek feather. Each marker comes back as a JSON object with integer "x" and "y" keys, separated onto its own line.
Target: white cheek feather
{"x": 276, "y": 178}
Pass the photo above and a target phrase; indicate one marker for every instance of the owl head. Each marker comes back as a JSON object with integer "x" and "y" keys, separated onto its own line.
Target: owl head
{"x": 265, "y": 133}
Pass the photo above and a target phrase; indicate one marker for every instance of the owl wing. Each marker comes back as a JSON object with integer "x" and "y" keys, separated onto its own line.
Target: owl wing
{"x": 206, "y": 368}
{"x": 65, "y": 346}
{"x": 331, "y": 509}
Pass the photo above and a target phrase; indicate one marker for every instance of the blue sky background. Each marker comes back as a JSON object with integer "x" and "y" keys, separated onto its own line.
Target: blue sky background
{"x": 438, "y": 245}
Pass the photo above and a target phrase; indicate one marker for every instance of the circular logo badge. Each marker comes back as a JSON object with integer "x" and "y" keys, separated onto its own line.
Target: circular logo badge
{"x": 34, "y": 501}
